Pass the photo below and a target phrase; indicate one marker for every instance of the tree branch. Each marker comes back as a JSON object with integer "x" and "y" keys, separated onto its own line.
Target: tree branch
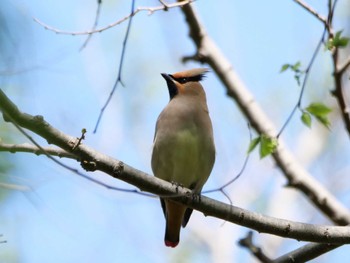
{"x": 150, "y": 11}
{"x": 305, "y": 253}
{"x": 339, "y": 95}
{"x": 311, "y": 11}
{"x": 298, "y": 177}
{"x": 97, "y": 16}
{"x": 28, "y": 148}
{"x": 210, "y": 207}
{"x": 343, "y": 67}
{"x": 247, "y": 243}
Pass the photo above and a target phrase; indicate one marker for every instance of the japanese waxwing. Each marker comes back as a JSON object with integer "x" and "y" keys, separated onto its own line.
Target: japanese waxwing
{"x": 183, "y": 150}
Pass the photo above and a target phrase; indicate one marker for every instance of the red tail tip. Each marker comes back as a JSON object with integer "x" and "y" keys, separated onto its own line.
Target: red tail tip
{"x": 170, "y": 243}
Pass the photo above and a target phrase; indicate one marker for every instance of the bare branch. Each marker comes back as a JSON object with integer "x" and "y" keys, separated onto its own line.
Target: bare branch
{"x": 164, "y": 4}
{"x": 306, "y": 77}
{"x": 150, "y": 11}
{"x": 343, "y": 67}
{"x": 28, "y": 148}
{"x": 210, "y": 207}
{"x": 119, "y": 77}
{"x": 305, "y": 253}
{"x": 311, "y": 11}
{"x": 247, "y": 243}
{"x": 97, "y": 16}
{"x": 338, "y": 91}
{"x": 339, "y": 95}
{"x": 298, "y": 177}
{"x": 221, "y": 188}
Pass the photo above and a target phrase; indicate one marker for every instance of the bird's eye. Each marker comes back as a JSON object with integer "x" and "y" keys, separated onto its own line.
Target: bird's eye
{"x": 182, "y": 80}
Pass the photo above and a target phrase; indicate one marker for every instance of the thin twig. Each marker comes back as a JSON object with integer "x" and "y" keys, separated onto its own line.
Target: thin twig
{"x": 164, "y": 4}
{"x": 29, "y": 148}
{"x": 312, "y": 11}
{"x": 221, "y": 188}
{"x": 343, "y": 67}
{"x": 306, "y": 77}
{"x": 119, "y": 78}
{"x": 98, "y": 11}
{"x": 150, "y": 11}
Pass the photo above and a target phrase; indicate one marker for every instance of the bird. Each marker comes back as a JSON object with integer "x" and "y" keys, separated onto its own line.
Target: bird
{"x": 183, "y": 146}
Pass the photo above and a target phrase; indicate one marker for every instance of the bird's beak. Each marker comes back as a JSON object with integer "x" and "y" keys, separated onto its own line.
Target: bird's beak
{"x": 167, "y": 77}
{"x": 173, "y": 90}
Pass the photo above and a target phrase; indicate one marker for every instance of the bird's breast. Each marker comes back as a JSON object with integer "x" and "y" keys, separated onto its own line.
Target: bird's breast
{"x": 184, "y": 156}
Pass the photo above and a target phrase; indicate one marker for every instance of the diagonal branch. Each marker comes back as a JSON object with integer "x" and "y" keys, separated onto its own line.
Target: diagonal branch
{"x": 248, "y": 243}
{"x": 305, "y": 253}
{"x": 343, "y": 67}
{"x": 312, "y": 11}
{"x": 97, "y": 16}
{"x": 210, "y": 207}
{"x": 298, "y": 177}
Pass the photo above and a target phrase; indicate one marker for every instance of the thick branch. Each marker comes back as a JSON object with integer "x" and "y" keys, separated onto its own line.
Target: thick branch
{"x": 94, "y": 160}
{"x": 298, "y": 177}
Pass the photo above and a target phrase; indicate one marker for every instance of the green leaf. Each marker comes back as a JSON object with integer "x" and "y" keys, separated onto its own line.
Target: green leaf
{"x": 296, "y": 67}
{"x": 267, "y": 145}
{"x": 318, "y": 109}
{"x": 253, "y": 143}
{"x": 337, "y": 41}
{"x": 306, "y": 119}
{"x": 343, "y": 42}
{"x": 338, "y": 34}
{"x": 284, "y": 67}
{"x": 324, "y": 120}
{"x": 320, "y": 112}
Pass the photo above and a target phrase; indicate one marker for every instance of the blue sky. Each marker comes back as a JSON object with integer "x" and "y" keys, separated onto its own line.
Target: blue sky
{"x": 65, "y": 218}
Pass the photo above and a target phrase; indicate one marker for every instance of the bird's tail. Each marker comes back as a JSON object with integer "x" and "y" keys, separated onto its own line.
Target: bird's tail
{"x": 174, "y": 217}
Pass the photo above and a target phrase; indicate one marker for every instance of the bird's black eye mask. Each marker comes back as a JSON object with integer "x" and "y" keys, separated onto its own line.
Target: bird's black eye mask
{"x": 188, "y": 79}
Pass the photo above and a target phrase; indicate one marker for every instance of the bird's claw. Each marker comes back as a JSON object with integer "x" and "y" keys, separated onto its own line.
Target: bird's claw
{"x": 177, "y": 185}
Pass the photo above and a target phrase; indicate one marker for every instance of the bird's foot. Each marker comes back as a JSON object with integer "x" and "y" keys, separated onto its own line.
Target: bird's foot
{"x": 177, "y": 185}
{"x": 196, "y": 196}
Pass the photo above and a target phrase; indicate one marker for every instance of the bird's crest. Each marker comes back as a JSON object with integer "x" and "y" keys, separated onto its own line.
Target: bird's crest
{"x": 196, "y": 75}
